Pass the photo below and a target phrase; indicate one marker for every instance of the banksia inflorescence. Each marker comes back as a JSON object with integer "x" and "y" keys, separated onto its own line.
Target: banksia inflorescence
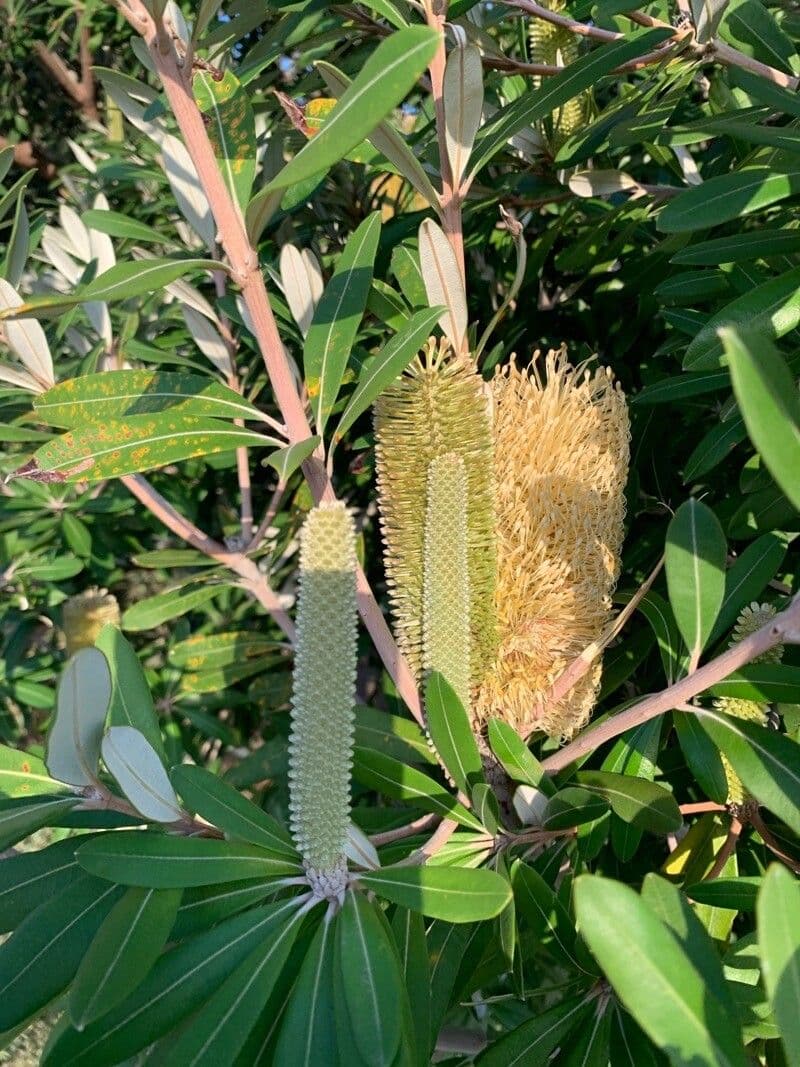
{"x": 446, "y": 588}
{"x": 440, "y": 406}
{"x": 556, "y": 46}
{"x": 752, "y": 618}
{"x": 561, "y": 457}
{"x": 85, "y": 615}
{"x": 323, "y": 697}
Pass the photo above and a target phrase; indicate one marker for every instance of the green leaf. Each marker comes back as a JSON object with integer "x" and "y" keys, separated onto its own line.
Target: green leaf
{"x": 739, "y": 248}
{"x": 161, "y": 608}
{"x": 126, "y": 946}
{"x": 730, "y": 196}
{"x": 714, "y": 447}
{"x": 463, "y": 105}
{"x": 181, "y": 980}
{"x": 779, "y": 942}
{"x": 695, "y": 564}
{"x": 736, "y": 894}
{"x": 767, "y": 763}
{"x": 337, "y": 317}
{"x": 73, "y": 741}
{"x": 205, "y": 652}
{"x": 516, "y": 758}
{"x": 116, "y": 224}
{"x": 451, "y": 732}
{"x": 23, "y": 774}
{"x": 140, "y": 774}
{"x": 139, "y": 443}
{"x": 771, "y": 310}
{"x": 395, "y": 779}
{"x": 368, "y": 974}
{"x": 216, "y": 1035}
{"x": 308, "y": 1035}
{"x": 392, "y": 735}
{"x": 702, "y": 757}
{"x": 534, "y": 1042}
{"x": 748, "y": 577}
{"x": 543, "y": 912}
{"x": 766, "y": 392}
{"x": 41, "y": 957}
{"x": 131, "y": 700}
{"x": 222, "y": 806}
{"x": 286, "y": 460}
{"x": 653, "y": 976}
{"x": 635, "y": 800}
{"x": 455, "y": 894}
{"x": 122, "y": 282}
{"x": 573, "y": 806}
{"x": 776, "y": 683}
{"x": 231, "y": 129}
{"x": 408, "y": 928}
{"x": 160, "y": 862}
{"x": 381, "y": 370}
{"x": 21, "y": 817}
{"x": 754, "y": 30}
{"x": 32, "y": 878}
{"x": 383, "y": 81}
{"x": 96, "y": 398}
{"x": 662, "y": 621}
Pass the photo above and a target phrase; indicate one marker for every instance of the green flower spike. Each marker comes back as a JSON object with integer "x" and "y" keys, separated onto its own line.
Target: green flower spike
{"x": 446, "y": 636}
{"x": 321, "y": 742}
{"x": 556, "y": 46}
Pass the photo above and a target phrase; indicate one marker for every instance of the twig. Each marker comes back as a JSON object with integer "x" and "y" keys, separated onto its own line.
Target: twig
{"x": 456, "y": 1039}
{"x": 701, "y": 806}
{"x": 80, "y": 90}
{"x": 437, "y": 841}
{"x": 783, "y": 629}
{"x": 727, "y": 850}
{"x": 772, "y": 842}
{"x": 424, "y": 822}
{"x": 269, "y": 515}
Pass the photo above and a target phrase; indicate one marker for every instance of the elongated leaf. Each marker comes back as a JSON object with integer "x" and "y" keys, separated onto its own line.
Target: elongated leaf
{"x": 381, "y": 84}
{"x": 160, "y": 862}
{"x": 73, "y": 743}
{"x": 737, "y": 894}
{"x": 779, "y": 941}
{"x": 96, "y": 398}
{"x": 451, "y": 733}
{"x": 41, "y": 957}
{"x": 162, "y": 607}
{"x": 635, "y": 800}
{"x": 287, "y": 460}
{"x": 23, "y": 774}
{"x": 443, "y": 282}
{"x": 457, "y": 895}
{"x": 517, "y": 759}
{"x": 125, "y": 947}
{"x": 573, "y": 806}
{"x": 765, "y": 682}
{"x": 771, "y": 309}
{"x": 21, "y": 817}
{"x": 381, "y": 370}
{"x": 695, "y": 564}
{"x": 534, "y": 1042}
{"x": 222, "y": 806}
{"x": 140, "y": 774}
{"x": 368, "y": 973}
{"x": 653, "y": 976}
{"x": 702, "y": 757}
{"x": 131, "y": 700}
{"x": 337, "y": 317}
{"x": 395, "y": 779}
{"x": 747, "y": 578}
{"x": 730, "y": 196}
{"x": 392, "y": 735}
{"x": 543, "y": 912}
{"x": 204, "y": 652}
{"x": 26, "y": 338}
{"x": 18, "y": 246}
{"x": 118, "y": 225}
{"x": 138, "y": 443}
{"x": 231, "y": 128}
{"x": 767, "y": 395}
{"x": 234, "y": 1009}
{"x": 767, "y": 763}
{"x": 739, "y": 248}
{"x": 121, "y": 282}
{"x": 180, "y": 981}
{"x": 32, "y": 878}
{"x": 662, "y": 620}
{"x": 463, "y": 105}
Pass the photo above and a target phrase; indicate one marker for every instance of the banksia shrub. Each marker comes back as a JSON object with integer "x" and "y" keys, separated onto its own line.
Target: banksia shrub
{"x": 323, "y": 696}
{"x": 556, "y": 46}
{"x": 440, "y": 406}
{"x": 752, "y": 618}
{"x": 446, "y": 594}
{"x": 561, "y": 457}
{"x": 84, "y": 616}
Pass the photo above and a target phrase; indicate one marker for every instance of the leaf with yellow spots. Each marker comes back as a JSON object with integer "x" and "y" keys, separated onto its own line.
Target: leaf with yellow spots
{"x": 96, "y": 398}
{"x": 207, "y": 652}
{"x": 140, "y": 443}
{"x": 24, "y": 775}
{"x": 231, "y": 127}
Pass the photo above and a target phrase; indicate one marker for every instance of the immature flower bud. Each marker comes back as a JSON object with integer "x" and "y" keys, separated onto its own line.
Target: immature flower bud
{"x": 85, "y": 615}
{"x": 556, "y": 46}
{"x": 561, "y": 457}
{"x": 440, "y": 406}
{"x": 750, "y": 619}
{"x": 446, "y": 583}
{"x": 321, "y": 741}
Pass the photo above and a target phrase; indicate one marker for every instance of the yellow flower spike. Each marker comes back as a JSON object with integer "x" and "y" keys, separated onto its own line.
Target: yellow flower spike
{"x": 323, "y": 697}
{"x": 750, "y": 619}
{"x": 85, "y": 615}
{"x": 561, "y": 457}
{"x": 446, "y": 636}
{"x": 556, "y": 46}
{"x": 440, "y": 405}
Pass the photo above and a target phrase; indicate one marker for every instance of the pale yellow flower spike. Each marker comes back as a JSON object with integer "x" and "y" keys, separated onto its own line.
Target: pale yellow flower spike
{"x": 562, "y": 447}
{"x": 85, "y": 615}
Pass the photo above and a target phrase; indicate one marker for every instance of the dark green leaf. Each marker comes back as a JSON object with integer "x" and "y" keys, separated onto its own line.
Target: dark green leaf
{"x": 534, "y": 1042}
{"x": 573, "y": 806}
{"x": 131, "y": 701}
{"x": 779, "y": 941}
{"x": 308, "y": 1035}
{"x": 736, "y": 894}
{"x": 516, "y": 758}
{"x": 695, "y": 565}
{"x": 161, "y": 608}
{"x": 730, "y": 196}
{"x": 451, "y": 732}
{"x": 455, "y": 894}
{"x": 635, "y": 800}
{"x": 747, "y": 578}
